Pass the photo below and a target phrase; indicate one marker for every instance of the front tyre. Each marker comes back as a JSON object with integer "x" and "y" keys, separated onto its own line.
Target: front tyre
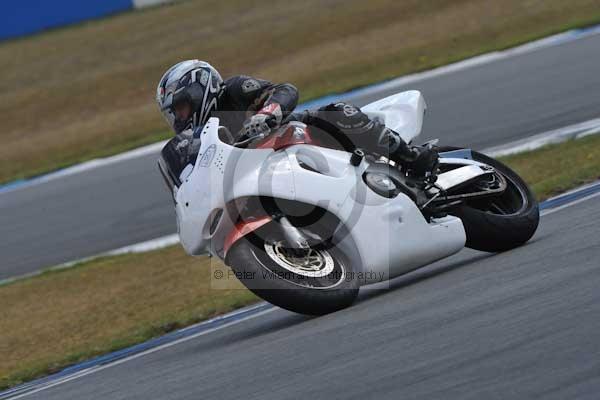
{"x": 316, "y": 282}
{"x": 502, "y": 222}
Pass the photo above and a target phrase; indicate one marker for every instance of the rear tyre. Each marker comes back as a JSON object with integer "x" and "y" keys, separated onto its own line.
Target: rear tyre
{"x": 321, "y": 283}
{"x": 501, "y": 222}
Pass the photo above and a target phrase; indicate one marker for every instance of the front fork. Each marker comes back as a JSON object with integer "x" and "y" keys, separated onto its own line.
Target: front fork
{"x": 294, "y": 238}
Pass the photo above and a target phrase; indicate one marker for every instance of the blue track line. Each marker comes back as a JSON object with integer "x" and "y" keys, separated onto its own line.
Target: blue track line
{"x": 570, "y": 197}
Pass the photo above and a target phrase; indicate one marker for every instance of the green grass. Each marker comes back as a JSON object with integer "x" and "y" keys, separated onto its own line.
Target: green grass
{"x": 65, "y": 316}
{"x": 557, "y": 168}
{"x": 86, "y": 91}
{"x": 62, "y": 317}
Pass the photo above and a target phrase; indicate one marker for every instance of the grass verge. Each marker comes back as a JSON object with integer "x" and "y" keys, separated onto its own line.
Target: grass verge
{"x": 86, "y": 91}
{"x": 61, "y": 317}
{"x": 554, "y": 169}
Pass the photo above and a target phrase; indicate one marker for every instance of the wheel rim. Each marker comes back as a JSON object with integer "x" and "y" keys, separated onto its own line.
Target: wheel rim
{"x": 316, "y": 269}
{"x": 512, "y": 201}
{"x": 310, "y": 263}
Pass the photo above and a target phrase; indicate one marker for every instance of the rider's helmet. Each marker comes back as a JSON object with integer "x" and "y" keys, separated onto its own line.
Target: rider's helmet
{"x": 187, "y": 94}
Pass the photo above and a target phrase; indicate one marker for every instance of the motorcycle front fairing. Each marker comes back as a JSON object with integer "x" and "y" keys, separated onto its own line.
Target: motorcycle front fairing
{"x": 205, "y": 192}
{"x": 225, "y": 175}
{"x": 383, "y": 237}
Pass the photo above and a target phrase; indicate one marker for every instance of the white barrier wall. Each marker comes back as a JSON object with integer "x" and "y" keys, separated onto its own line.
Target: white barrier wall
{"x": 148, "y": 3}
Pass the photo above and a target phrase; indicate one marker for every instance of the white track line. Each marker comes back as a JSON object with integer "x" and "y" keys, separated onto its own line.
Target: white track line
{"x": 154, "y": 244}
{"x": 153, "y": 148}
{"x": 563, "y": 134}
{"x": 142, "y": 247}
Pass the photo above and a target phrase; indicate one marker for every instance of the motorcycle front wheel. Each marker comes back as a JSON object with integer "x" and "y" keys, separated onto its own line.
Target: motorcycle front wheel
{"x": 502, "y": 222}
{"x": 316, "y": 281}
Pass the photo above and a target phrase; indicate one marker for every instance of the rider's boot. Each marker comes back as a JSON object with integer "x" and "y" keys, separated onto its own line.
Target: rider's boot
{"x": 417, "y": 160}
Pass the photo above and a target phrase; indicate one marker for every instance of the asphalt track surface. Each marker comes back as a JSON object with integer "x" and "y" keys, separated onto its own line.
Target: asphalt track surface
{"x": 125, "y": 203}
{"x": 521, "y": 324}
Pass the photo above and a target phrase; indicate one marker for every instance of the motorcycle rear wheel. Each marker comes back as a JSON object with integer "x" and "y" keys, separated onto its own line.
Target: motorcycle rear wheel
{"x": 503, "y": 222}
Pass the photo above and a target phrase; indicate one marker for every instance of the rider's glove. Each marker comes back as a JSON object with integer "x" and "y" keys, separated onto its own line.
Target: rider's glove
{"x": 256, "y": 125}
{"x": 263, "y": 121}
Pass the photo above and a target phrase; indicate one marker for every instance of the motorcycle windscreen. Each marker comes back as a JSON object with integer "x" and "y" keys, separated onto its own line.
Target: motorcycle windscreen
{"x": 173, "y": 159}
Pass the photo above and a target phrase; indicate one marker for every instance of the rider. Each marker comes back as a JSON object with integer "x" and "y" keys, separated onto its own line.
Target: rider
{"x": 192, "y": 91}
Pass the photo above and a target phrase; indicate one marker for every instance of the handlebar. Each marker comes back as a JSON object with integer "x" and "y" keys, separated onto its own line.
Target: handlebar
{"x": 249, "y": 140}
{"x": 244, "y": 140}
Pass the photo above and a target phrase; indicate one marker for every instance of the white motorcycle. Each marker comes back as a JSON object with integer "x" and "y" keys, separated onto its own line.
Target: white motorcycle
{"x": 304, "y": 226}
